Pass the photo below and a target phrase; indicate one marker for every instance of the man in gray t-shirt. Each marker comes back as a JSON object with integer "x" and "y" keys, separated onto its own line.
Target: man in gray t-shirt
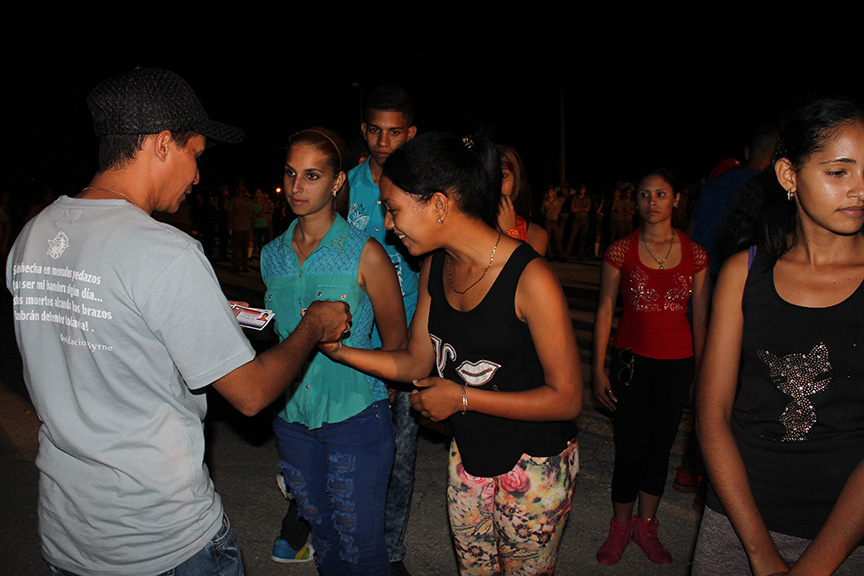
{"x": 121, "y": 325}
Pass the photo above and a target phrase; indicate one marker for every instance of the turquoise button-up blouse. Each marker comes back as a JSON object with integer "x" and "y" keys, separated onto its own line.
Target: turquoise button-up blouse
{"x": 324, "y": 390}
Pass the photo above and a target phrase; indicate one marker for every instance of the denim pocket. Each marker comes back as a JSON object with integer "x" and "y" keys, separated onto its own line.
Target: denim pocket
{"x": 220, "y": 556}
{"x": 223, "y": 535}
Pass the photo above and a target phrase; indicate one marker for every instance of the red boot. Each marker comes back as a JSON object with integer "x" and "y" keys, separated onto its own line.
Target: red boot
{"x": 618, "y": 539}
{"x": 645, "y": 536}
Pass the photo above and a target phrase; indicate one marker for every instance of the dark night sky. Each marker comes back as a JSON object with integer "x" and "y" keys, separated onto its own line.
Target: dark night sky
{"x": 642, "y": 87}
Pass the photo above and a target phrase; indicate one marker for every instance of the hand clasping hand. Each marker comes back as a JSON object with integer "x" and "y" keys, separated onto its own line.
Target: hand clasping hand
{"x": 333, "y": 318}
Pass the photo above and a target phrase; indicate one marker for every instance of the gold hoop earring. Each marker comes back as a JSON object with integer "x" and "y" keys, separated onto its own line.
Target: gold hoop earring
{"x": 790, "y": 195}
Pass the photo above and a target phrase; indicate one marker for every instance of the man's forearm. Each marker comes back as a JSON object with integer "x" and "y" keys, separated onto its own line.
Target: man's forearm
{"x": 255, "y": 385}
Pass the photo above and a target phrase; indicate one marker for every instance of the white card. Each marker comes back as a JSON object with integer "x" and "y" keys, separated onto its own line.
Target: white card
{"x": 255, "y": 318}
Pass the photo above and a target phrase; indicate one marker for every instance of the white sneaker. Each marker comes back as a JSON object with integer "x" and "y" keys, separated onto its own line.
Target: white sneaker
{"x": 280, "y": 482}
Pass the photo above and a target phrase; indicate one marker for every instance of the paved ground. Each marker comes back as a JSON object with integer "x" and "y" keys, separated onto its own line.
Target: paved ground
{"x": 242, "y": 459}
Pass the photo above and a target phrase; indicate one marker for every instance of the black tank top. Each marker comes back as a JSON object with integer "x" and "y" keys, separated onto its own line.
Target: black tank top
{"x": 491, "y": 349}
{"x": 798, "y": 417}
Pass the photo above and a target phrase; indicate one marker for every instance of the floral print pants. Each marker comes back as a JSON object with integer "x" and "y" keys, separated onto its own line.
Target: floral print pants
{"x": 511, "y": 524}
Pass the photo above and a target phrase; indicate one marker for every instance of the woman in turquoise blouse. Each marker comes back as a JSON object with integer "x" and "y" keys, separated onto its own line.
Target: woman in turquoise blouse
{"x": 334, "y": 432}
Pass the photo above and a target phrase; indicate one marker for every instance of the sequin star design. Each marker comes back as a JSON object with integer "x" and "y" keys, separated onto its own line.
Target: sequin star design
{"x": 799, "y": 376}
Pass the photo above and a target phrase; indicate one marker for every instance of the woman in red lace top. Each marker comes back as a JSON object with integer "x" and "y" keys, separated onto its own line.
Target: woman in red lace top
{"x": 656, "y": 353}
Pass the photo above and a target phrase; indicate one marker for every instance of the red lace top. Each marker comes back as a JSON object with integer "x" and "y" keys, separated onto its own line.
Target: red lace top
{"x": 654, "y": 321}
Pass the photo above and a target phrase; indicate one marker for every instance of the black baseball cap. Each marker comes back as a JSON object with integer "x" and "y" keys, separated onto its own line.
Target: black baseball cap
{"x": 149, "y": 100}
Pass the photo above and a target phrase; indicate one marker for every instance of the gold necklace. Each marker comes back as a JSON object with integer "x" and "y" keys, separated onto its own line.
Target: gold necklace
{"x": 109, "y": 190}
{"x": 297, "y": 244}
{"x": 491, "y": 259}
{"x": 668, "y": 252}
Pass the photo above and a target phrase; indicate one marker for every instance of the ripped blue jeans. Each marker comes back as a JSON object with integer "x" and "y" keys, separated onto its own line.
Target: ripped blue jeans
{"x": 338, "y": 475}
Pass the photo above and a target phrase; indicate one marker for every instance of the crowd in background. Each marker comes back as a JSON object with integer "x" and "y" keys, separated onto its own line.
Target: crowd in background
{"x": 214, "y": 216}
{"x": 582, "y": 222}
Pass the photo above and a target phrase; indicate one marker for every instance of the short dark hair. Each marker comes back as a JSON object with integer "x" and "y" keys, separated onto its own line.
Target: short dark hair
{"x": 465, "y": 169}
{"x": 388, "y": 98}
{"x": 763, "y": 141}
{"x": 763, "y": 214}
{"x": 116, "y": 150}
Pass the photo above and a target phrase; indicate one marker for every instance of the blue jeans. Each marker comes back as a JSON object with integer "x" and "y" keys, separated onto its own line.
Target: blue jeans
{"x": 401, "y": 487}
{"x": 338, "y": 475}
{"x": 220, "y": 557}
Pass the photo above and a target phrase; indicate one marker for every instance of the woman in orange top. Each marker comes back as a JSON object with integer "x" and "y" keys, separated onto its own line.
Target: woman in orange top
{"x": 514, "y": 208}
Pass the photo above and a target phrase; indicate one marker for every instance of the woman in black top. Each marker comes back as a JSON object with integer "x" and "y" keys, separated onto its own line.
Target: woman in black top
{"x": 780, "y": 400}
{"x": 492, "y": 323}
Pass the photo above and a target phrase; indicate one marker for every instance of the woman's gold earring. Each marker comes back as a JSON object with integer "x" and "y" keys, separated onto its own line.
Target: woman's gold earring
{"x": 790, "y": 195}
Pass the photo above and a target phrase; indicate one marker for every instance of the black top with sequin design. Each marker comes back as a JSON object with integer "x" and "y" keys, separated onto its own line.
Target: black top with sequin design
{"x": 798, "y": 417}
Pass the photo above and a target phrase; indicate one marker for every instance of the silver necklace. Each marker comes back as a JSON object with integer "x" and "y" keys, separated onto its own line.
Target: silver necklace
{"x": 109, "y": 190}
{"x": 668, "y": 252}
{"x": 491, "y": 259}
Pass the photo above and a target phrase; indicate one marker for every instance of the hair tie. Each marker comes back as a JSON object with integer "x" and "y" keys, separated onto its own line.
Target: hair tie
{"x": 467, "y": 141}
{"x": 335, "y": 147}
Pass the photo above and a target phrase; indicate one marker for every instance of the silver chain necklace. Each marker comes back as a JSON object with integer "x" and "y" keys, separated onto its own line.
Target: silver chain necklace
{"x": 668, "y": 252}
{"x": 491, "y": 259}
{"x": 112, "y": 191}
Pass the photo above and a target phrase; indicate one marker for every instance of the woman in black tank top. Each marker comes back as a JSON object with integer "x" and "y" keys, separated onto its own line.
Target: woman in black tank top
{"x": 492, "y": 326}
{"x": 780, "y": 399}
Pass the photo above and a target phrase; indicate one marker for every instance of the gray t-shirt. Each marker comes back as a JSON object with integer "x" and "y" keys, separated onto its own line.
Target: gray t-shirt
{"x": 121, "y": 323}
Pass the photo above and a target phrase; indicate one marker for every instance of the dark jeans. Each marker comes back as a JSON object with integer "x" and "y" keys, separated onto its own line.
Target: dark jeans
{"x": 405, "y": 428}
{"x": 647, "y": 417}
{"x": 338, "y": 475}
{"x": 221, "y": 557}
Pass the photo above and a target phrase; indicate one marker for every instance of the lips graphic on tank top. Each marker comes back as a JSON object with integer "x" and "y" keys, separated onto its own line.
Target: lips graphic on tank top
{"x": 477, "y": 373}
